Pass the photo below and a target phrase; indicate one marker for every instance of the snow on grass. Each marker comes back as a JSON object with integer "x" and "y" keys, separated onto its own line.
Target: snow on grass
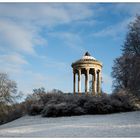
{"x": 112, "y": 125}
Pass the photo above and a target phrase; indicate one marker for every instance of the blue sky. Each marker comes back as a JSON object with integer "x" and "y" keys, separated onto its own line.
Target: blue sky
{"x": 39, "y": 41}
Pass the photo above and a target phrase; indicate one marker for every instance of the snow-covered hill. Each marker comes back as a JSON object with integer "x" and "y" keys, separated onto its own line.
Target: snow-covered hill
{"x": 113, "y": 125}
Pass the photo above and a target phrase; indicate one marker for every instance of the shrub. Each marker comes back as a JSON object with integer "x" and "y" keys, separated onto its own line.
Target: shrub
{"x": 81, "y": 100}
{"x": 107, "y": 109}
{"x": 55, "y": 110}
{"x": 35, "y": 109}
{"x": 59, "y": 104}
{"x": 58, "y": 97}
{"x": 79, "y": 111}
{"x": 90, "y": 107}
{"x": 121, "y": 102}
{"x": 62, "y": 109}
{"x": 73, "y": 109}
{"x": 49, "y": 111}
{"x": 10, "y": 112}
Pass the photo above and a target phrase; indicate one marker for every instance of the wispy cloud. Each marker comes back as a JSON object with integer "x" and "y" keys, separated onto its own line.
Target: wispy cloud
{"x": 21, "y": 24}
{"x": 130, "y": 8}
{"x": 72, "y": 40}
{"x": 51, "y": 63}
{"x": 56, "y": 65}
{"x": 48, "y": 14}
{"x": 30, "y": 79}
{"x": 12, "y": 63}
{"x": 17, "y": 38}
{"x": 13, "y": 58}
{"x": 115, "y": 30}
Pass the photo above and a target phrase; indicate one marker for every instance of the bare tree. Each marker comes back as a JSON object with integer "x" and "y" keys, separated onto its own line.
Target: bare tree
{"x": 126, "y": 69}
{"x": 132, "y": 42}
{"x": 8, "y": 89}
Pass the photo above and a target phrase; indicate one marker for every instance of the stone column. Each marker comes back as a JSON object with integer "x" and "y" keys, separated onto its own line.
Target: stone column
{"x": 87, "y": 82}
{"x": 79, "y": 81}
{"x": 95, "y": 82}
{"x": 93, "y": 88}
{"x": 99, "y": 84}
{"x": 74, "y": 83}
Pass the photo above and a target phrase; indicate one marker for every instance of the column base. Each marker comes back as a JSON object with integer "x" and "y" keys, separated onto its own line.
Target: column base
{"x": 87, "y": 93}
{"x": 93, "y": 93}
{"x": 79, "y": 93}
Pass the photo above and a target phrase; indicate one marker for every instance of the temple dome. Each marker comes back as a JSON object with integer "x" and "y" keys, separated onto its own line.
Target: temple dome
{"x": 86, "y": 59}
{"x": 88, "y": 56}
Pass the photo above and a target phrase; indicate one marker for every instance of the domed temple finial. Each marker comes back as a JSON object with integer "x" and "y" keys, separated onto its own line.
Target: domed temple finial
{"x": 87, "y": 54}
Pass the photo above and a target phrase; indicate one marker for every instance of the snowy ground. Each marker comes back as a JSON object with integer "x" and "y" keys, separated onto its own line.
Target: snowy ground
{"x": 114, "y": 125}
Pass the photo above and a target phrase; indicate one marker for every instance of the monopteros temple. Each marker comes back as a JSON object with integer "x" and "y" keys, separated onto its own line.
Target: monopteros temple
{"x": 87, "y": 65}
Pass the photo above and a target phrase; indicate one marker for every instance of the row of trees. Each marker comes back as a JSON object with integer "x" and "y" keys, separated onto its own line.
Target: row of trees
{"x": 126, "y": 69}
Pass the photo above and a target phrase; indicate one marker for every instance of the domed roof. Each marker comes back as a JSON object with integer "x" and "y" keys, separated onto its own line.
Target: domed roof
{"x": 88, "y": 56}
{"x": 87, "y": 59}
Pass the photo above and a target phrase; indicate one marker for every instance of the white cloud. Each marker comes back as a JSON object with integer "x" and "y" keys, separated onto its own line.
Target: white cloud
{"x": 13, "y": 58}
{"x": 72, "y": 40}
{"x": 12, "y": 63}
{"x": 91, "y": 22}
{"x": 18, "y": 38}
{"x": 51, "y": 63}
{"x": 48, "y": 14}
{"x": 115, "y": 30}
{"x": 55, "y": 64}
{"x": 30, "y": 79}
{"x": 21, "y": 24}
{"x": 127, "y": 8}
{"x": 36, "y": 80}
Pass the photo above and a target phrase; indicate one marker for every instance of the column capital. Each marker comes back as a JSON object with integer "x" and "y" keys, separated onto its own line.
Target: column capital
{"x": 79, "y": 71}
{"x": 98, "y": 71}
{"x": 87, "y": 69}
{"x": 74, "y": 71}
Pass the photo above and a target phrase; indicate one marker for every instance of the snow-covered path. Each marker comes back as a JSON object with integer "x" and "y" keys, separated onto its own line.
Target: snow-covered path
{"x": 113, "y": 125}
